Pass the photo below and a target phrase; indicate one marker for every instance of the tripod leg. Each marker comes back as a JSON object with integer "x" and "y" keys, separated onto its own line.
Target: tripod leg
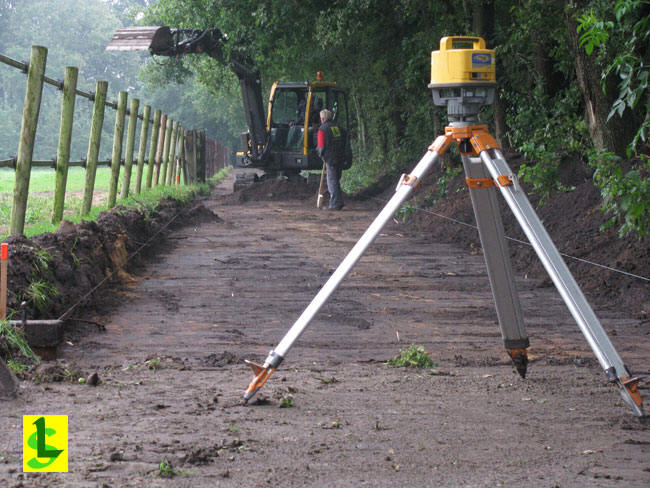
{"x": 563, "y": 280}
{"x": 404, "y": 188}
{"x": 497, "y": 261}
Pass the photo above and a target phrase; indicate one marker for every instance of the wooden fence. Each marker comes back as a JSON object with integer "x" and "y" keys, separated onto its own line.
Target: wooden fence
{"x": 172, "y": 149}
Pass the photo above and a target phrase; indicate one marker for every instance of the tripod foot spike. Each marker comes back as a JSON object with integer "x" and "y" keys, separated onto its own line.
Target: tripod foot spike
{"x": 519, "y": 358}
{"x": 262, "y": 373}
{"x": 629, "y": 389}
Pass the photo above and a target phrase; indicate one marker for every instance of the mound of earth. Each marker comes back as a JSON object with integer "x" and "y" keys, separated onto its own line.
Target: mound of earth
{"x": 277, "y": 189}
{"x": 53, "y": 272}
{"x": 573, "y": 219}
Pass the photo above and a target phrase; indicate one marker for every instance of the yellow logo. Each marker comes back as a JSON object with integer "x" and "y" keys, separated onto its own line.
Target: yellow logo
{"x": 335, "y": 131}
{"x": 45, "y": 443}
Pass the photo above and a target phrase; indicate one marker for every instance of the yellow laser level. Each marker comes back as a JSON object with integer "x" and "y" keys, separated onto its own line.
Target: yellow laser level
{"x": 462, "y": 61}
{"x": 463, "y": 77}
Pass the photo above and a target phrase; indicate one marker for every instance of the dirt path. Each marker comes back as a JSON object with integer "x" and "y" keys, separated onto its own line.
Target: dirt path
{"x": 171, "y": 371}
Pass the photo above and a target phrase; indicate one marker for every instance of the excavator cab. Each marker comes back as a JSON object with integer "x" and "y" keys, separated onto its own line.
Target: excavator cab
{"x": 293, "y": 119}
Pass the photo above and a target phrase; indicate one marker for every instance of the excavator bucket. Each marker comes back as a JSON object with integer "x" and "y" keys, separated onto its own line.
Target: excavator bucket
{"x": 156, "y": 40}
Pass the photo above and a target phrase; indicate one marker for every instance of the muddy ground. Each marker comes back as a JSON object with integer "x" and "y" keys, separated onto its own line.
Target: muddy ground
{"x": 169, "y": 338}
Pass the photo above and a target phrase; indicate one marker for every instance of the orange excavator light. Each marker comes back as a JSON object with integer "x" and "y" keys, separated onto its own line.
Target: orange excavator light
{"x": 320, "y": 76}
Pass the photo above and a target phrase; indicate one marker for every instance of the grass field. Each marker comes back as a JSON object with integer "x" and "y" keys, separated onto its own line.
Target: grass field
{"x": 42, "y": 180}
{"x": 41, "y": 197}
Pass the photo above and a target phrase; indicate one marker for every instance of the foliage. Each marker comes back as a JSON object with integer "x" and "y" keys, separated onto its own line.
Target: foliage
{"x": 621, "y": 35}
{"x": 12, "y": 340}
{"x": 405, "y": 211}
{"x": 165, "y": 469}
{"x": 413, "y": 357}
{"x": 626, "y": 193}
{"x": 443, "y": 184}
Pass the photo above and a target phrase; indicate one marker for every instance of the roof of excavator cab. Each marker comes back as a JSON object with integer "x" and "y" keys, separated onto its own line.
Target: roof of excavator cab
{"x": 306, "y": 84}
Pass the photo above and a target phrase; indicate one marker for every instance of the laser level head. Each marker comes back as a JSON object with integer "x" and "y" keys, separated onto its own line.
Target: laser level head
{"x": 463, "y": 76}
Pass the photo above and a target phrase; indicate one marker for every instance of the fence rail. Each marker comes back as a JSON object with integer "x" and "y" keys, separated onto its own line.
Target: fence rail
{"x": 172, "y": 148}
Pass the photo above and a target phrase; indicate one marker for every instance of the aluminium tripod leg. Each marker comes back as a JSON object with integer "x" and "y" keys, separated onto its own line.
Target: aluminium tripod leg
{"x": 404, "y": 188}
{"x": 497, "y": 261}
{"x": 562, "y": 278}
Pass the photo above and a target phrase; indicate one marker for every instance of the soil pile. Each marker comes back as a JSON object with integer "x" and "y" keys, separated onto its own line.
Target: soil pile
{"x": 277, "y": 189}
{"x": 573, "y": 219}
{"x": 52, "y": 272}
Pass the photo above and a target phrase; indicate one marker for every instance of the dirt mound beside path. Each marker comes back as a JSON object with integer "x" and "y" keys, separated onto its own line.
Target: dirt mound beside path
{"x": 70, "y": 263}
{"x": 573, "y": 219}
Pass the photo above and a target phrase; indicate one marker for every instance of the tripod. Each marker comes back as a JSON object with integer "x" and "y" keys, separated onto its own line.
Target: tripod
{"x": 486, "y": 171}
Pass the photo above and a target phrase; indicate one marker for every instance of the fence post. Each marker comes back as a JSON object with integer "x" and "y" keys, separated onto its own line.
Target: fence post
{"x": 190, "y": 153}
{"x": 31, "y": 110}
{"x": 181, "y": 141}
{"x": 165, "y": 158}
{"x": 159, "y": 151}
{"x": 118, "y": 137}
{"x": 65, "y": 136}
{"x": 153, "y": 146}
{"x": 200, "y": 155}
{"x": 142, "y": 148}
{"x": 134, "y": 105}
{"x": 93, "y": 145}
{"x": 172, "y": 154}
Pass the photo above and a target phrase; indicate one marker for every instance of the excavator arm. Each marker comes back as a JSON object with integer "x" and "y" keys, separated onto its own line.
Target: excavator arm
{"x": 164, "y": 41}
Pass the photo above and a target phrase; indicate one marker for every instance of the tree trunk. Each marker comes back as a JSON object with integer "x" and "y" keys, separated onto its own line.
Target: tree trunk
{"x": 616, "y": 134}
{"x": 483, "y": 25}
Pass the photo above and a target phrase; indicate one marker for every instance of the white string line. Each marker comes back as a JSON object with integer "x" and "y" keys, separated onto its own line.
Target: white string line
{"x": 519, "y": 241}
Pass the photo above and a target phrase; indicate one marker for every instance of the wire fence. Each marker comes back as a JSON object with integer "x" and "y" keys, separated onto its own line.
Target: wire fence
{"x": 167, "y": 151}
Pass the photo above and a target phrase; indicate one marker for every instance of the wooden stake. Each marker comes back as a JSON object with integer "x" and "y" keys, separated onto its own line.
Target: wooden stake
{"x": 93, "y": 145}
{"x": 143, "y": 147}
{"x": 65, "y": 136}
{"x": 4, "y": 261}
{"x": 31, "y": 110}
{"x": 172, "y": 154}
{"x": 153, "y": 146}
{"x": 130, "y": 143}
{"x": 118, "y": 138}
{"x": 159, "y": 150}
{"x": 166, "y": 146}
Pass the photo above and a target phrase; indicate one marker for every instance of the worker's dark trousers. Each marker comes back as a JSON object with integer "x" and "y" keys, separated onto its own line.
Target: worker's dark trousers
{"x": 334, "y": 186}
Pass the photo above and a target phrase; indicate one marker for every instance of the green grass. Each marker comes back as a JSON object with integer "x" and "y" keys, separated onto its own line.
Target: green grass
{"x": 14, "y": 339}
{"x": 42, "y": 179}
{"x": 413, "y": 357}
{"x": 41, "y": 200}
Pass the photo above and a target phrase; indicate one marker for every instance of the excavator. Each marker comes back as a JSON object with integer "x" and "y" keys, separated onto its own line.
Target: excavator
{"x": 280, "y": 143}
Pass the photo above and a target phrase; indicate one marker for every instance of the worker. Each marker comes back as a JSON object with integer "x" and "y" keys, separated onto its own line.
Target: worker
{"x": 296, "y": 126}
{"x": 332, "y": 150}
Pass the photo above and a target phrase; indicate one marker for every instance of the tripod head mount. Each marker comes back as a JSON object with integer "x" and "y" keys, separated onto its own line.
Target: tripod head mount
{"x": 463, "y": 77}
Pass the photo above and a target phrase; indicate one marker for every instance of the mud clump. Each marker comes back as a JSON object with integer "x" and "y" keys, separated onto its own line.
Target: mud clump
{"x": 222, "y": 359}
